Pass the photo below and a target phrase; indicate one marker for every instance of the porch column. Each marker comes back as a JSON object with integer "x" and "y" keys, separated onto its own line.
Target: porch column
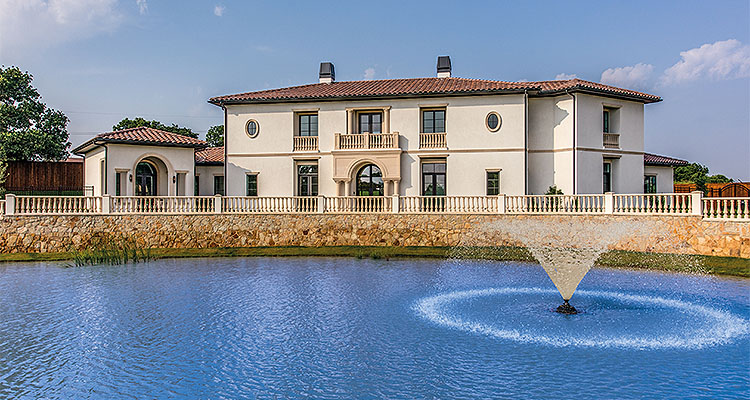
{"x": 350, "y": 121}
{"x": 348, "y": 188}
{"x": 396, "y": 190}
{"x": 387, "y": 120}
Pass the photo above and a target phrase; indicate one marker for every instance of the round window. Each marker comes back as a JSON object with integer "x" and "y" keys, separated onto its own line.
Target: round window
{"x": 252, "y": 128}
{"x": 493, "y": 121}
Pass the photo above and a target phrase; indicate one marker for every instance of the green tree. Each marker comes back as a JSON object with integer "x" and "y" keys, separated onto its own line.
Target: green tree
{"x": 215, "y": 136}
{"x": 29, "y": 131}
{"x": 3, "y": 176}
{"x": 553, "y": 190}
{"x": 697, "y": 174}
{"x": 136, "y": 122}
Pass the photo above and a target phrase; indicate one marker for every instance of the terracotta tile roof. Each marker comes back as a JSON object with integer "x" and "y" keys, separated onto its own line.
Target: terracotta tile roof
{"x": 655, "y": 159}
{"x": 142, "y": 135}
{"x": 423, "y": 86}
{"x": 210, "y": 155}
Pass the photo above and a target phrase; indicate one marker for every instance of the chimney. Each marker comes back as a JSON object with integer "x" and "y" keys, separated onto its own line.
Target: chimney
{"x": 444, "y": 67}
{"x": 327, "y": 74}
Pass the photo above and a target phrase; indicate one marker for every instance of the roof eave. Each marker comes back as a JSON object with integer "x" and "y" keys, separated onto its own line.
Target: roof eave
{"x": 160, "y": 144}
{"x": 605, "y": 93}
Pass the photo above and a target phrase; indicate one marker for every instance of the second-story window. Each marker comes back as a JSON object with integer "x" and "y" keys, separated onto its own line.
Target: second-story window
{"x": 308, "y": 125}
{"x": 605, "y": 120}
{"x": 371, "y": 122}
{"x": 433, "y": 121}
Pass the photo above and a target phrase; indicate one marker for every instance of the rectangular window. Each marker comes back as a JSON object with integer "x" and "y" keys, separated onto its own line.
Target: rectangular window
{"x": 307, "y": 180}
{"x": 118, "y": 183}
{"x": 370, "y": 122}
{"x": 197, "y": 187}
{"x": 433, "y": 121}
{"x": 493, "y": 183}
{"x": 219, "y": 184}
{"x": 607, "y": 177}
{"x": 433, "y": 178}
{"x": 308, "y": 125}
{"x": 251, "y": 186}
{"x": 649, "y": 184}
{"x": 605, "y": 121}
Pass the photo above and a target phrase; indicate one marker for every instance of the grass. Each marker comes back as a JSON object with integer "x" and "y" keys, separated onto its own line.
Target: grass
{"x": 730, "y": 266}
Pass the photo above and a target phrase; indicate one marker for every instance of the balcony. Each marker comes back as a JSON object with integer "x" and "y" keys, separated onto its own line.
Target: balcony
{"x": 305, "y": 143}
{"x": 611, "y": 141}
{"x": 367, "y": 140}
{"x": 432, "y": 140}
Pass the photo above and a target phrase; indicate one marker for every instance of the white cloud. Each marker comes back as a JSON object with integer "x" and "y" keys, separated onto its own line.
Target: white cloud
{"x": 726, "y": 59}
{"x": 27, "y": 26}
{"x": 630, "y": 77}
{"x": 219, "y": 11}
{"x": 142, "y": 6}
{"x": 370, "y": 73}
{"x": 565, "y": 77}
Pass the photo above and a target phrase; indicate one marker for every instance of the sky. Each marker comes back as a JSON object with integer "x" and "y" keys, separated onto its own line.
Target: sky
{"x": 103, "y": 60}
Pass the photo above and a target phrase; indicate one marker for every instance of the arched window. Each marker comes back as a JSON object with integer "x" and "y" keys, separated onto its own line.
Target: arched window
{"x": 145, "y": 179}
{"x": 370, "y": 181}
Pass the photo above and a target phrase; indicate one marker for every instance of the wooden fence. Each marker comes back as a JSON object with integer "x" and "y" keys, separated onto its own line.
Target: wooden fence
{"x": 732, "y": 189}
{"x": 42, "y": 177}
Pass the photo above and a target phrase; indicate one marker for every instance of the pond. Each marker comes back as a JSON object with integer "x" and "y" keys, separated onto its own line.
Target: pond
{"x": 341, "y": 328}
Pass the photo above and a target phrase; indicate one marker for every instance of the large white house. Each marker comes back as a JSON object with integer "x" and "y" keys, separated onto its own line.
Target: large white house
{"x": 422, "y": 136}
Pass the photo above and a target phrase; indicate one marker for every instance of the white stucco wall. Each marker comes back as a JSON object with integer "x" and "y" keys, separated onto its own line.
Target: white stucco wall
{"x": 472, "y": 149}
{"x": 92, "y": 170}
{"x": 664, "y": 177}
{"x": 205, "y": 174}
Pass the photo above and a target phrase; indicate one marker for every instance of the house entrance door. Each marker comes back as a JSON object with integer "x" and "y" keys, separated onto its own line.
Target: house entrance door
{"x": 145, "y": 179}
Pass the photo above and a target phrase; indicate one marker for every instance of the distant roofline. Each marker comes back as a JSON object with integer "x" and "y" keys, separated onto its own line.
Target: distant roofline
{"x": 104, "y": 138}
{"x": 534, "y": 89}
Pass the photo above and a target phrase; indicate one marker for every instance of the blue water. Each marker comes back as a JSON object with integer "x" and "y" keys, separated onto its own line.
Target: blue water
{"x": 347, "y": 328}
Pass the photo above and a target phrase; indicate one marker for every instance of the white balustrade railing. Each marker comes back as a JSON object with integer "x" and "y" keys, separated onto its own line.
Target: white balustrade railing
{"x": 432, "y": 140}
{"x": 270, "y": 205}
{"x": 358, "y": 204}
{"x": 726, "y": 208}
{"x": 161, "y": 205}
{"x": 305, "y": 143}
{"x": 366, "y": 140}
{"x": 611, "y": 141}
{"x": 450, "y": 204}
{"x": 57, "y": 205}
{"x": 555, "y": 204}
{"x": 662, "y": 203}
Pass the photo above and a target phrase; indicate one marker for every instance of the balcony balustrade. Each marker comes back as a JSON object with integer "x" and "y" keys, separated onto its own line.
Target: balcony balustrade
{"x": 367, "y": 140}
{"x": 611, "y": 141}
{"x": 432, "y": 140}
{"x": 305, "y": 143}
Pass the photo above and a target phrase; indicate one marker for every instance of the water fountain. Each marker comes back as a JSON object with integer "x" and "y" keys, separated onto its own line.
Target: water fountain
{"x": 568, "y": 252}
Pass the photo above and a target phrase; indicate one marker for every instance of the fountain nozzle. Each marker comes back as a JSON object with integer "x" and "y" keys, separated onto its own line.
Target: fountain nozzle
{"x": 566, "y": 308}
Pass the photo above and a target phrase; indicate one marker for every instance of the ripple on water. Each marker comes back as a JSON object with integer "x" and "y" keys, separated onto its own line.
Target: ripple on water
{"x": 700, "y": 326}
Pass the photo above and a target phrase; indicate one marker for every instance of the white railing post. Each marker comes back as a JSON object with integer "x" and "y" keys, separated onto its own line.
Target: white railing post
{"x": 609, "y": 203}
{"x": 501, "y": 203}
{"x": 217, "y": 204}
{"x": 696, "y": 198}
{"x": 106, "y": 204}
{"x": 10, "y": 204}
{"x": 321, "y": 204}
{"x": 395, "y": 204}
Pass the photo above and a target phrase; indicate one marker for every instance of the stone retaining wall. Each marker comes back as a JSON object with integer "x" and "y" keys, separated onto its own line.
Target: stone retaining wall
{"x": 666, "y": 234}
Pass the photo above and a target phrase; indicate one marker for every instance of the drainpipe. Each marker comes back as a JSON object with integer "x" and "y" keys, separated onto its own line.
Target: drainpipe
{"x": 575, "y": 134}
{"x": 526, "y": 141}
{"x": 226, "y": 179}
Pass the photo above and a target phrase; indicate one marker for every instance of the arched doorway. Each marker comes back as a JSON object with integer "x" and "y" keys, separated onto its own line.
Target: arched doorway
{"x": 370, "y": 181}
{"x": 145, "y": 179}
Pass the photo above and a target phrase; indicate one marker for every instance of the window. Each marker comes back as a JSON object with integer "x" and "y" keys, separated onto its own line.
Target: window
{"x": 493, "y": 121}
{"x": 607, "y": 177}
{"x": 370, "y": 181}
{"x": 649, "y": 184}
{"x": 118, "y": 182}
{"x": 493, "y": 183}
{"x": 197, "y": 186}
{"x": 371, "y": 122}
{"x": 433, "y": 121}
{"x": 219, "y": 184}
{"x": 308, "y": 125}
{"x": 251, "y": 185}
{"x": 252, "y": 128}
{"x": 605, "y": 120}
{"x": 433, "y": 178}
{"x": 307, "y": 180}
